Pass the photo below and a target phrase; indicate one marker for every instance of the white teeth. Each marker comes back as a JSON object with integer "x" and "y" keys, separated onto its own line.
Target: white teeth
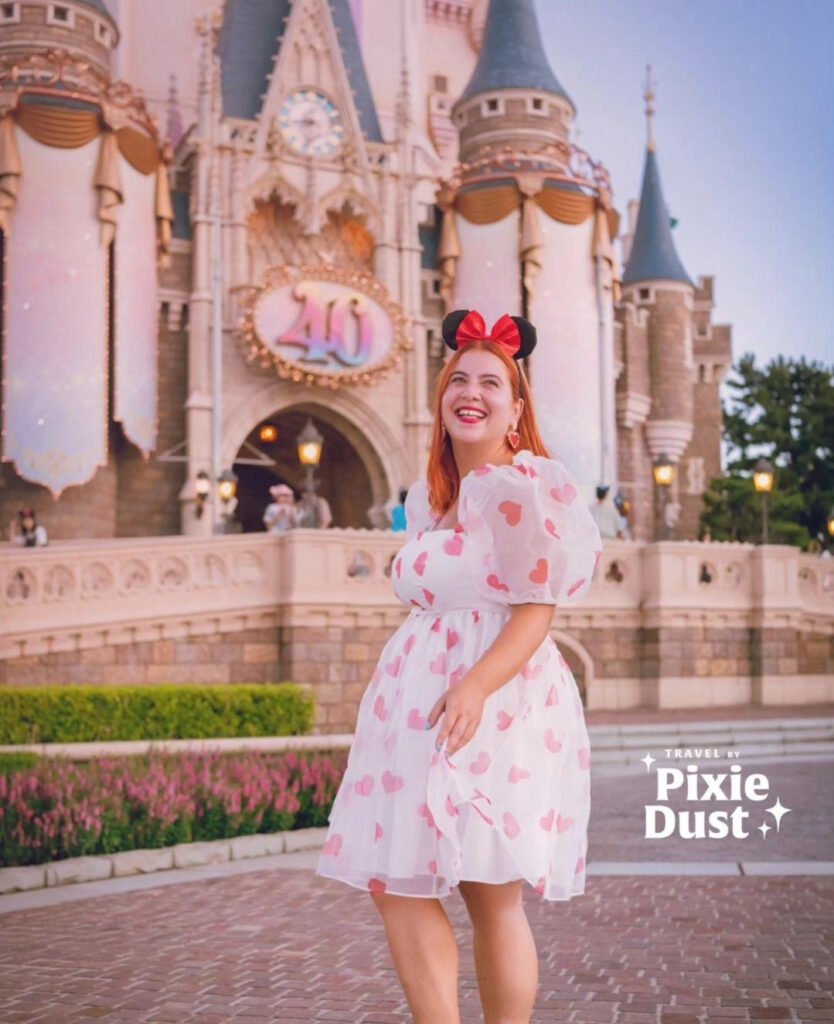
{"x": 471, "y": 416}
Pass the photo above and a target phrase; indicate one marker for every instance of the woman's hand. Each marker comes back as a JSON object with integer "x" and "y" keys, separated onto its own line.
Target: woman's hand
{"x": 463, "y": 705}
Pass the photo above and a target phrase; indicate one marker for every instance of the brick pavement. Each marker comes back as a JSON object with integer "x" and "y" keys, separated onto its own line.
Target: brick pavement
{"x": 285, "y": 946}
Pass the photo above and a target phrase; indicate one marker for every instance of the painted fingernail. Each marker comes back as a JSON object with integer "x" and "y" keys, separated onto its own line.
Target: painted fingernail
{"x": 437, "y": 746}
{"x": 428, "y": 725}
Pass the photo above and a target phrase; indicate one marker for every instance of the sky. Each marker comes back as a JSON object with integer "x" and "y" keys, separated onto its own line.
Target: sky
{"x": 744, "y": 132}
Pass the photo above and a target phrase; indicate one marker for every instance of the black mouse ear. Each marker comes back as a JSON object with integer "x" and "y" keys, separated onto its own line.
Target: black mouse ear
{"x": 451, "y": 322}
{"x": 528, "y": 336}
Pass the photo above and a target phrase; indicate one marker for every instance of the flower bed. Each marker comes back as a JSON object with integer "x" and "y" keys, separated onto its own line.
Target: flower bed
{"x": 59, "y": 809}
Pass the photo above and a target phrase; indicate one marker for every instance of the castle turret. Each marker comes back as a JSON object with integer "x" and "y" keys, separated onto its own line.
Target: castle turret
{"x": 527, "y": 229}
{"x": 655, "y": 280}
{"x": 85, "y": 29}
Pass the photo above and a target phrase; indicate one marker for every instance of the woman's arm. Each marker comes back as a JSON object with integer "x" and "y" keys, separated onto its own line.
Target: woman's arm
{"x": 463, "y": 704}
{"x": 518, "y": 641}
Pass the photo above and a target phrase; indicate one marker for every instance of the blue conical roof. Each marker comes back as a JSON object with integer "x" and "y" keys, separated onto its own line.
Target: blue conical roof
{"x": 99, "y": 5}
{"x": 512, "y": 55}
{"x": 653, "y": 255}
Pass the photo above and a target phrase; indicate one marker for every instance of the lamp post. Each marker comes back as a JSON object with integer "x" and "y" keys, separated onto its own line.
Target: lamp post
{"x": 309, "y": 444}
{"x": 829, "y": 524}
{"x": 763, "y": 482}
{"x": 663, "y": 470}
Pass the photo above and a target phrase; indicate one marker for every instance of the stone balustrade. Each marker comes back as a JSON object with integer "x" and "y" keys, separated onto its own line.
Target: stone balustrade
{"x": 666, "y": 624}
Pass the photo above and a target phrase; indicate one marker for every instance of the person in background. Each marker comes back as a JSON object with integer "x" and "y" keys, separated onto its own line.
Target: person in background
{"x": 606, "y": 515}
{"x": 282, "y": 513}
{"x": 398, "y": 520}
{"x": 314, "y": 510}
{"x": 26, "y": 532}
{"x": 623, "y": 506}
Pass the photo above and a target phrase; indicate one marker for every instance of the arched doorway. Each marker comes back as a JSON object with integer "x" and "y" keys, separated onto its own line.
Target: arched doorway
{"x": 342, "y": 477}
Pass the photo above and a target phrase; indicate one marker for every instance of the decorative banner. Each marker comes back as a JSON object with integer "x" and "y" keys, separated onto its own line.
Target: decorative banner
{"x": 135, "y": 404}
{"x": 55, "y": 345}
{"x": 325, "y": 325}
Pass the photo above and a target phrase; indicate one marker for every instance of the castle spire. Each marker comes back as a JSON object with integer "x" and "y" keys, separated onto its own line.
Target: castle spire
{"x": 512, "y": 55}
{"x": 653, "y": 254}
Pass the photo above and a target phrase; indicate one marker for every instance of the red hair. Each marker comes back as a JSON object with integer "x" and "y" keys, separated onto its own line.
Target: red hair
{"x": 442, "y": 475}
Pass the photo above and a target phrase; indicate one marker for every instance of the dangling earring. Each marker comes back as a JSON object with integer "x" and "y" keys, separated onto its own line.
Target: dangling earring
{"x": 513, "y": 438}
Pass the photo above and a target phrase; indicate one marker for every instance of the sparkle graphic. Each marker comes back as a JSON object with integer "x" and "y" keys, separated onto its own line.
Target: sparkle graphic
{"x": 648, "y": 761}
{"x": 777, "y": 810}
{"x": 764, "y": 828}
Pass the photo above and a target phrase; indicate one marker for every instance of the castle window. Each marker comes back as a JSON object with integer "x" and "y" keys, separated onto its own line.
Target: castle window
{"x": 103, "y": 33}
{"x": 58, "y": 14}
{"x": 493, "y": 106}
{"x": 537, "y": 106}
{"x": 645, "y": 294}
{"x": 9, "y": 12}
{"x": 440, "y": 83}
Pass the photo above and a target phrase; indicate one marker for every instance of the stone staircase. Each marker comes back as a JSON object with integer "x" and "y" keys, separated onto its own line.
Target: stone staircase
{"x": 618, "y": 748}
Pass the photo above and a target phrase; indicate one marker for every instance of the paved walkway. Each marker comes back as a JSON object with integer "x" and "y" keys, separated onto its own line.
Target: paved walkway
{"x": 250, "y": 942}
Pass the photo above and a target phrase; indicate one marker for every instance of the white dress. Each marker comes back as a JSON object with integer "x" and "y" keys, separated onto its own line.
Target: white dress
{"x": 514, "y": 801}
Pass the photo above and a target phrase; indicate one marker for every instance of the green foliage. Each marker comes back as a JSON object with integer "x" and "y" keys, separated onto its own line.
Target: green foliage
{"x": 77, "y": 714}
{"x": 17, "y": 761}
{"x": 783, "y": 412}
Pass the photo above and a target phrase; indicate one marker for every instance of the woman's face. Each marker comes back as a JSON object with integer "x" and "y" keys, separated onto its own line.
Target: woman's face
{"x": 480, "y": 381}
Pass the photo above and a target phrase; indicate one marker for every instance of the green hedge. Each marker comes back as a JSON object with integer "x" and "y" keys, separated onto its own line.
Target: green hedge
{"x": 78, "y": 714}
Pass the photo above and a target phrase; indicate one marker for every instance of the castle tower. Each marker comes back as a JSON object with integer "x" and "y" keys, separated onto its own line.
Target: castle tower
{"x": 655, "y": 400}
{"x": 527, "y": 229}
{"x": 85, "y": 215}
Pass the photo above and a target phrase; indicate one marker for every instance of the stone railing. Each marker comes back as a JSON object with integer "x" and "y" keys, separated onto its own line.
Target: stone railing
{"x": 117, "y": 590}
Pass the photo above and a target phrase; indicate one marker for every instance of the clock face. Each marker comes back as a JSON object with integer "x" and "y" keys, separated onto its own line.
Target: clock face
{"x": 311, "y": 124}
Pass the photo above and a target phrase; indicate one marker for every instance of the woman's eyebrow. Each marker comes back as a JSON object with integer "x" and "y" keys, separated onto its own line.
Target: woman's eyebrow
{"x": 462, "y": 374}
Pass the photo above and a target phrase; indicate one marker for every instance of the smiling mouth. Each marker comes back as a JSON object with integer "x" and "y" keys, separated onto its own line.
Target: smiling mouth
{"x": 470, "y": 417}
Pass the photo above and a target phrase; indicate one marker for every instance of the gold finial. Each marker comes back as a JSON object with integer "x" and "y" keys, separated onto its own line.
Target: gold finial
{"x": 648, "y": 96}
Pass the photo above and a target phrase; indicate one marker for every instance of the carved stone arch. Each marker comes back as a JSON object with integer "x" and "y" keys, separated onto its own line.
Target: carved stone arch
{"x": 335, "y": 200}
{"x": 272, "y": 185}
{"x": 581, "y": 657}
{"x": 346, "y": 412}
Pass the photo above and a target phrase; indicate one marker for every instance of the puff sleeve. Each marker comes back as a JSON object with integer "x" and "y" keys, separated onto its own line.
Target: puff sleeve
{"x": 418, "y": 513}
{"x": 539, "y": 543}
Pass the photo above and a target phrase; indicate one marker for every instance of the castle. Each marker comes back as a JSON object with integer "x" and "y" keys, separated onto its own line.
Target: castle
{"x": 222, "y": 221}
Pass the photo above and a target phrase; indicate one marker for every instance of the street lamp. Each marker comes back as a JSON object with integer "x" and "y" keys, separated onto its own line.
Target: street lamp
{"x": 830, "y": 524}
{"x": 763, "y": 482}
{"x": 663, "y": 470}
{"x": 309, "y": 443}
{"x": 202, "y": 489}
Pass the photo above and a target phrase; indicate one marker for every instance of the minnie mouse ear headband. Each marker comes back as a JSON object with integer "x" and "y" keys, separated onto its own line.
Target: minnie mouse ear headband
{"x": 514, "y": 334}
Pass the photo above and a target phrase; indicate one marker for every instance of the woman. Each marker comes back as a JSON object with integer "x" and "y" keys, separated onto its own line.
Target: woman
{"x": 470, "y": 764}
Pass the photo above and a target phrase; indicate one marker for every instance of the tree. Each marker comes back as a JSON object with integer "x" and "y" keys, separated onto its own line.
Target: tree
{"x": 784, "y": 412}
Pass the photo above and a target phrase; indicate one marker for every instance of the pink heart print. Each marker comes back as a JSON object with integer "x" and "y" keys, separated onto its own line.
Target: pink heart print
{"x": 420, "y": 563}
{"x": 451, "y": 639}
{"x": 496, "y": 584}
{"x": 453, "y": 545}
{"x": 531, "y": 671}
{"x": 391, "y": 782}
{"x": 512, "y": 829}
{"x": 540, "y": 886}
{"x": 540, "y": 573}
{"x": 437, "y": 625}
{"x": 547, "y": 821}
{"x": 563, "y": 824}
{"x": 333, "y": 846}
{"x": 580, "y": 865}
{"x": 378, "y": 832}
{"x": 415, "y": 719}
{"x": 481, "y": 763}
{"x": 511, "y": 511}
{"x": 505, "y": 720}
{"x": 424, "y": 811}
{"x": 393, "y": 667}
{"x": 380, "y": 709}
{"x": 364, "y": 786}
{"x": 566, "y": 495}
{"x": 576, "y": 586}
{"x": 552, "y": 697}
{"x": 432, "y": 866}
{"x": 398, "y": 566}
{"x": 408, "y": 646}
{"x": 550, "y": 741}
{"x": 451, "y": 810}
{"x": 438, "y": 664}
{"x": 550, "y": 526}
{"x": 428, "y": 595}
{"x": 584, "y": 757}
{"x": 517, "y": 773}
